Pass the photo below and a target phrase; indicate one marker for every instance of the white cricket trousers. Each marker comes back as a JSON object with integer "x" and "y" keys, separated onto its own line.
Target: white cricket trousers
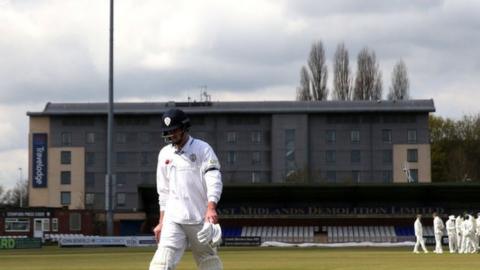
{"x": 419, "y": 242}
{"x": 438, "y": 243}
{"x": 180, "y": 236}
{"x": 452, "y": 242}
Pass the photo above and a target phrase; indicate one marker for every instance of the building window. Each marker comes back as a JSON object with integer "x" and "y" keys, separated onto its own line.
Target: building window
{"x": 197, "y": 120}
{"x": 355, "y": 136}
{"x": 144, "y": 158}
{"x": 122, "y": 158}
{"x": 256, "y": 136}
{"x": 331, "y": 176}
{"x": 331, "y": 136}
{"x": 243, "y": 120}
{"x": 46, "y": 225}
{"x": 148, "y": 177}
{"x": 121, "y": 179}
{"x": 129, "y": 121}
{"x": 231, "y": 157}
{"x": 231, "y": 137}
{"x": 121, "y": 138}
{"x": 387, "y": 156}
{"x": 255, "y": 157}
{"x": 17, "y": 224}
{"x": 414, "y": 175}
{"x": 387, "y": 135}
{"x": 132, "y": 137}
{"x": 412, "y": 155}
{"x": 145, "y": 137}
{"x": 54, "y": 224}
{"x": 89, "y": 198}
{"x": 89, "y": 159}
{"x": 145, "y": 177}
{"x": 387, "y": 176}
{"x": 355, "y": 156}
{"x": 89, "y": 179}
{"x": 330, "y": 156}
{"x": 66, "y": 157}
{"x": 65, "y": 177}
{"x": 90, "y": 138}
{"x": 65, "y": 198}
{"x": 290, "y": 166}
{"x": 78, "y": 121}
{"x": 66, "y": 138}
{"x": 121, "y": 199}
{"x": 75, "y": 221}
{"x": 412, "y": 136}
{"x": 256, "y": 177}
{"x": 356, "y": 176}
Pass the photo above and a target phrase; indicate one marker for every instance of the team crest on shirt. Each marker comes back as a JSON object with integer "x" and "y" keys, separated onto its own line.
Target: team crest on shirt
{"x": 193, "y": 157}
{"x": 167, "y": 121}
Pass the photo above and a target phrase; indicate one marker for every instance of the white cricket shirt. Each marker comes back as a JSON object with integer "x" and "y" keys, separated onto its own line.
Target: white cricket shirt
{"x": 187, "y": 180}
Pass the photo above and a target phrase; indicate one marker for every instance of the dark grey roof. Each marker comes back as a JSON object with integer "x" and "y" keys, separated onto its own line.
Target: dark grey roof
{"x": 241, "y": 107}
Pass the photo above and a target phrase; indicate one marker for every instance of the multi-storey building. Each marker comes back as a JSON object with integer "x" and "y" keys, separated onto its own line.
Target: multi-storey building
{"x": 325, "y": 142}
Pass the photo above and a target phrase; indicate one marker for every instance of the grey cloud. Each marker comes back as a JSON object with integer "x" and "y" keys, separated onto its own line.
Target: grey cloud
{"x": 237, "y": 78}
{"x": 314, "y": 8}
{"x": 434, "y": 38}
{"x": 264, "y": 45}
{"x": 62, "y": 69}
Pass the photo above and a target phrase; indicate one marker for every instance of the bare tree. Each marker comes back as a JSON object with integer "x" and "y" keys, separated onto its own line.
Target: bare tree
{"x": 400, "y": 85}
{"x": 378, "y": 87}
{"x": 15, "y": 195}
{"x": 303, "y": 91}
{"x": 368, "y": 81}
{"x": 318, "y": 70}
{"x": 1, "y": 194}
{"x": 342, "y": 81}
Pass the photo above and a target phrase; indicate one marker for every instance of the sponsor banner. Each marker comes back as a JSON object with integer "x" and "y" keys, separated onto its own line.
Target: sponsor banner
{"x": 7, "y": 243}
{"x": 125, "y": 241}
{"x": 19, "y": 243}
{"x": 241, "y": 241}
{"x": 430, "y": 240}
{"x": 27, "y": 214}
{"x": 40, "y": 161}
{"x": 321, "y": 211}
{"x": 146, "y": 241}
{"x": 93, "y": 241}
{"x": 141, "y": 241}
{"x": 340, "y": 245}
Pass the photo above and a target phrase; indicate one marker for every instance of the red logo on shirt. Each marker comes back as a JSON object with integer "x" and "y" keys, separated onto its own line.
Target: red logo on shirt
{"x": 167, "y": 162}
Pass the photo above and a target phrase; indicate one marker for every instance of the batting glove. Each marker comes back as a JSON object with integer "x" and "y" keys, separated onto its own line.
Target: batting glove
{"x": 210, "y": 234}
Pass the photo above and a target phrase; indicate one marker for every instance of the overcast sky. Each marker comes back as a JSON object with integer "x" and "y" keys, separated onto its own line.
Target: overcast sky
{"x": 57, "y": 51}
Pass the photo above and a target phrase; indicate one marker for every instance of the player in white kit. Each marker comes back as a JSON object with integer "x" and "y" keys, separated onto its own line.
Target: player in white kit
{"x": 452, "y": 234}
{"x": 189, "y": 186}
{"x": 438, "y": 227}
{"x": 419, "y": 235}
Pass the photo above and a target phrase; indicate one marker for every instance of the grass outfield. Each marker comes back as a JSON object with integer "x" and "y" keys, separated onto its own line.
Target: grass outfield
{"x": 51, "y": 258}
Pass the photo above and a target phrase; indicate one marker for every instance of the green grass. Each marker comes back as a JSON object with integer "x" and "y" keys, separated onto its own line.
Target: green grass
{"x": 53, "y": 258}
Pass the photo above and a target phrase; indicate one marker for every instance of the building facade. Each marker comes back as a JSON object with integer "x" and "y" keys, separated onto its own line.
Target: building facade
{"x": 39, "y": 222}
{"x": 317, "y": 143}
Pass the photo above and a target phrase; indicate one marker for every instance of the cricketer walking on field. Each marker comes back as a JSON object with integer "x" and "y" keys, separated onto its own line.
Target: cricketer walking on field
{"x": 189, "y": 186}
{"x": 419, "y": 235}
